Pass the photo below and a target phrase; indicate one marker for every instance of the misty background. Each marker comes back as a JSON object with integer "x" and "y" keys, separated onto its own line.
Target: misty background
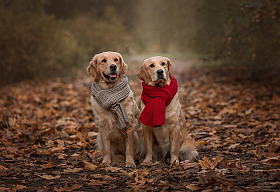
{"x": 46, "y": 38}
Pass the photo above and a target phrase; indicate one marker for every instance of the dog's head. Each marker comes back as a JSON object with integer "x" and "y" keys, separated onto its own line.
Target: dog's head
{"x": 108, "y": 67}
{"x": 156, "y": 71}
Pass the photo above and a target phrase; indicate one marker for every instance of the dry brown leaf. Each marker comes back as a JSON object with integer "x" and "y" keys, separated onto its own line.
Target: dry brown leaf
{"x": 80, "y": 136}
{"x": 115, "y": 169}
{"x": 3, "y": 168}
{"x": 74, "y": 170}
{"x": 19, "y": 187}
{"x": 97, "y": 182}
{"x": 95, "y": 176}
{"x": 204, "y": 142}
{"x": 48, "y": 166}
{"x": 88, "y": 166}
{"x": 107, "y": 177}
{"x": 193, "y": 187}
{"x": 92, "y": 134}
{"x": 154, "y": 163}
{"x": 4, "y": 189}
{"x": 66, "y": 188}
{"x": 49, "y": 177}
{"x": 207, "y": 164}
{"x": 83, "y": 178}
{"x": 272, "y": 161}
{"x": 187, "y": 164}
{"x": 58, "y": 148}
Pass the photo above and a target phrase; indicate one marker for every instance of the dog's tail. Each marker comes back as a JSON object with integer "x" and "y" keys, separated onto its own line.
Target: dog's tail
{"x": 188, "y": 150}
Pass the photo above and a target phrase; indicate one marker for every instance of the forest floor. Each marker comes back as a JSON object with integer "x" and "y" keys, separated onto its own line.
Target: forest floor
{"x": 47, "y": 135}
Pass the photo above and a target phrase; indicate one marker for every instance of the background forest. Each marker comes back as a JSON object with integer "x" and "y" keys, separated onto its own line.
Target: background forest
{"x": 54, "y": 37}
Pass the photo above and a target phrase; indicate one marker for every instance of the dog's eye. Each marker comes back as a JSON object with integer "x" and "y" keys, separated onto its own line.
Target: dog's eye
{"x": 152, "y": 65}
{"x": 116, "y": 59}
{"x": 163, "y": 64}
{"x": 104, "y": 60}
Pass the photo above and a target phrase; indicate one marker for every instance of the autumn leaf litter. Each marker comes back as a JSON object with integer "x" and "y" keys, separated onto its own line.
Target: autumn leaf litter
{"x": 48, "y": 137}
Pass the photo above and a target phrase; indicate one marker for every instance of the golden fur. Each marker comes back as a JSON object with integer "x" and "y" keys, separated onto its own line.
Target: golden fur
{"x": 111, "y": 141}
{"x": 171, "y": 138}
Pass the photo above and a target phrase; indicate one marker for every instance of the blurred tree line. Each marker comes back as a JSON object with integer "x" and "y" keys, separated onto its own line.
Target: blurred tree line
{"x": 49, "y": 37}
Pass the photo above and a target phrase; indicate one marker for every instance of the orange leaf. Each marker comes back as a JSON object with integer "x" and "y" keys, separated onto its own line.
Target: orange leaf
{"x": 48, "y": 166}
{"x": 207, "y": 164}
{"x": 80, "y": 136}
{"x": 88, "y": 166}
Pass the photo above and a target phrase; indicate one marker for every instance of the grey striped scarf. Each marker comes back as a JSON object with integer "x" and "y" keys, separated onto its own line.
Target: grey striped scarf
{"x": 111, "y": 99}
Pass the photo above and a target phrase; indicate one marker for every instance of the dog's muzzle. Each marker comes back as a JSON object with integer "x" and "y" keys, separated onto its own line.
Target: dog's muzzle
{"x": 160, "y": 74}
{"x": 113, "y": 75}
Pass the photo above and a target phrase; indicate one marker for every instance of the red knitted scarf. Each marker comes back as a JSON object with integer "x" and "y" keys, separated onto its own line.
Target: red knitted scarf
{"x": 155, "y": 100}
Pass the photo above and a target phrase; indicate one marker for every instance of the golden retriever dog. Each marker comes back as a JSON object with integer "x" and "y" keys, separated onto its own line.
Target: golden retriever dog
{"x": 108, "y": 69}
{"x": 172, "y": 137}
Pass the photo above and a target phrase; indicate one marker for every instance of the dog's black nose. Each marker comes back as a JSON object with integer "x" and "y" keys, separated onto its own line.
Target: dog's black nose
{"x": 113, "y": 67}
{"x": 159, "y": 71}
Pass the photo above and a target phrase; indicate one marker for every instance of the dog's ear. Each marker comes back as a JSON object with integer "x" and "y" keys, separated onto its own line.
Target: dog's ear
{"x": 92, "y": 68}
{"x": 169, "y": 65}
{"x": 123, "y": 68}
{"x": 143, "y": 75}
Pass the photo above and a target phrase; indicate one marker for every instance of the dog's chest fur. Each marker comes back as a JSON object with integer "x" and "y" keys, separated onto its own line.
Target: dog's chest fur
{"x": 172, "y": 122}
{"x": 106, "y": 119}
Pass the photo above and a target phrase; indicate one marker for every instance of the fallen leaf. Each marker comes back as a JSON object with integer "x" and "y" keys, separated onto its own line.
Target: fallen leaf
{"x": 193, "y": 187}
{"x": 201, "y": 143}
{"x": 272, "y": 161}
{"x": 95, "y": 176}
{"x": 3, "y": 168}
{"x": 207, "y": 164}
{"x": 115, "y": 169}
{"x": 49, "y": 177}
{"x": 74, "y": 170}
{"x": 92, "y": 134}
{"x": 211, "y": 177}
{"x": 66, "y": 188}
{"x": 187, "y": 164}
{"x": 153, "y": 163}
{"x": 97, "y": 182}
{"x": 19, "y": 187}
{"x": 88, "y": 166}
{"x": 48, "y": 166}
{"x": 80, "y": 136}
{"x": 4, "y": 189}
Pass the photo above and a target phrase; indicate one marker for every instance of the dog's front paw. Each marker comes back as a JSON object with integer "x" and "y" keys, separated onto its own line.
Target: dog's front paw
{"x": 130, "y": 161}
{"x": 146, "y": 162}
{"x": 174, "y": 159}
{"x": 175, "y": 162}
{"x": 106, "y": 164}
{"x": 106, "y": 160}
{"x": 130, "y": 165}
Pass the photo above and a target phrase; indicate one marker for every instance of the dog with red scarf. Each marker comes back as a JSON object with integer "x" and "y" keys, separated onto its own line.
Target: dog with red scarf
{"x": 162, "y": 119}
